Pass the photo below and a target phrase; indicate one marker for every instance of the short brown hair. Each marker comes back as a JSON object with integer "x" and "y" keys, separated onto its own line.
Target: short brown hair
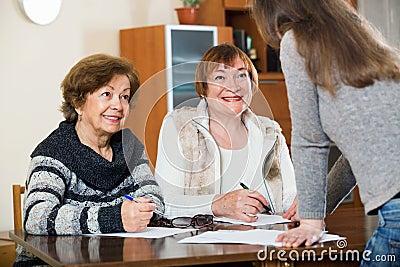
{"x": 90, "y": 74}
{"x": 224, "y": 54}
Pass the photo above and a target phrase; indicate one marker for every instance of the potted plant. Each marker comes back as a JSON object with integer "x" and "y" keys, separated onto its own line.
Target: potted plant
{"x": 188, "y": 13}
{"x": 191, "y": 3}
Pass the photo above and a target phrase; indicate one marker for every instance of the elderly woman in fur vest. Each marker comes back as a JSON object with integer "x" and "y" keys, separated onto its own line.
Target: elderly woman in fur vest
{"x": 207, "y": 153}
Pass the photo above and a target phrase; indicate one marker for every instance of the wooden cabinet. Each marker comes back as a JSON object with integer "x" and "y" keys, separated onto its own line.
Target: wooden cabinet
{"x": 151, "y": 49}
{"x": 146, "y": 46}
{"x": 236, "y": 14}
{"x": 274, "y": 91}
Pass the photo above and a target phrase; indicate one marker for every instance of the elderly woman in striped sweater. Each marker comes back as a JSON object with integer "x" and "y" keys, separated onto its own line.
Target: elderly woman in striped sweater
{"x": 80, "y": 174}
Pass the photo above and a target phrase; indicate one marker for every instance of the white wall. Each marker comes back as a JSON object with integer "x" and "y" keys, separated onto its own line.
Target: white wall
{"x": 385, "y": 15}
{"x": 33, "y": 61}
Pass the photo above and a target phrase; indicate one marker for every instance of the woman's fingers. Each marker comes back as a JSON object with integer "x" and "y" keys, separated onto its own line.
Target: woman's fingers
{"x": 292, "y": 210}
{"x": 146, "y": 207}
{"x": 259, "y": 197}
{"x": 252, "y": 206}
{"x": 309, "y": 232}
{"x": 136, "y": 215}
{"x": 241, "y": 204}
{"x": 292, "y": 213}
{"x": 293, "y": 239}
{"x": 246, "y": 217}
{"x": 143, "y": 200}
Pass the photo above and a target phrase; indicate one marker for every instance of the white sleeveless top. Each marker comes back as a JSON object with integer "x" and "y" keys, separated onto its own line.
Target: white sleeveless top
{"x": 234, "y": 166}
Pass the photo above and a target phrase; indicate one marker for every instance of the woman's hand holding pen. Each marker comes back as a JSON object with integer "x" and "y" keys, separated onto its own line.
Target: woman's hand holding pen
{"x": 241, "y": 204}
{"x": 136, "y": 214}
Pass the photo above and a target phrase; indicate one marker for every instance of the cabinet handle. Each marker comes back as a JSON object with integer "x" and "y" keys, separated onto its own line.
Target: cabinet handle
{"x": 268, "y": 82}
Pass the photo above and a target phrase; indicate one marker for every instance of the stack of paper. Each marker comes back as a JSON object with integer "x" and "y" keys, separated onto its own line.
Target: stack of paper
{"x": 263, "y": 219}
{"x": 252, "y": 237}
{"x": 153, "y": 232}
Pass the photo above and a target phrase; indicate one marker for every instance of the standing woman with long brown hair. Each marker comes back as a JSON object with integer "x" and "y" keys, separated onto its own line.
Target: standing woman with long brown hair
{"x": 343, "y": 86}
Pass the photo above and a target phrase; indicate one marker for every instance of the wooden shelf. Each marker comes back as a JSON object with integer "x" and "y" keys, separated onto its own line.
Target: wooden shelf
{"x": 235, "y": 14}
{"x": 238, "y": 4}
{"x": 271, "y": 76}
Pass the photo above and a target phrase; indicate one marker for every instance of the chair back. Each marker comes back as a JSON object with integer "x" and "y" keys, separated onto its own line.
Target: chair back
{"x": 18, "y": 190}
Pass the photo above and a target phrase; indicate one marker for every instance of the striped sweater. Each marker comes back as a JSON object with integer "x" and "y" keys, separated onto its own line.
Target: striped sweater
{"x": 73, "y": 190}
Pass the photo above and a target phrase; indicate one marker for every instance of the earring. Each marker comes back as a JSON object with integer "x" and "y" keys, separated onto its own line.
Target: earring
{"x": 79, "y": 117}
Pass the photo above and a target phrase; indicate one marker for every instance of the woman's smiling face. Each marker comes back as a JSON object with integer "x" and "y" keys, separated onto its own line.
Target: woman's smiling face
{"x": 229, "y": 86}
{"x": 106, "y": 109}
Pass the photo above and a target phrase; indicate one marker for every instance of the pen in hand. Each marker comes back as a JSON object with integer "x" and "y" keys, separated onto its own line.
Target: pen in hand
{"x": 132, "y": 199}
{"x": 267, "y": 209}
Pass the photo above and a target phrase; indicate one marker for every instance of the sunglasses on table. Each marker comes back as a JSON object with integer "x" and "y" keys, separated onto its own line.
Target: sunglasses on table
{"x": 197, "y": 221}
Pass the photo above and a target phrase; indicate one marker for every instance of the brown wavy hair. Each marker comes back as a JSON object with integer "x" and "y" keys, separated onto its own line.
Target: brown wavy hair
{"x": 330, "y": 35}
{"x": 90, "y": 74}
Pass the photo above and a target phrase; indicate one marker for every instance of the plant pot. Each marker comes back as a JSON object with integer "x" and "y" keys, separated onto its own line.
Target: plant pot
{"x": 187, "y": 15}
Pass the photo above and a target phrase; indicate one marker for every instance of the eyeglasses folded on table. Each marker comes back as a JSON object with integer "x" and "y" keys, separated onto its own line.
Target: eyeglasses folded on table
{"x": 197, "y": 221}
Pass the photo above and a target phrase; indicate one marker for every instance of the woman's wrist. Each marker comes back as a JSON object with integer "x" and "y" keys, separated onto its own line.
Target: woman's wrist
{"x": 215, "y": 205}
{"x": 315, "y": 223}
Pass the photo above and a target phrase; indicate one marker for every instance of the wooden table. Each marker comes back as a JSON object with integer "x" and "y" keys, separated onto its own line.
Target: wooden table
{"x": 117, "y": 251}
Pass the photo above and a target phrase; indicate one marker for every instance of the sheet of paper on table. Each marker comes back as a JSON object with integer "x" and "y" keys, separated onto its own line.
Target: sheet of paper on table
{"x": 152, "y": 232}
{"x": 252, "y": 237}
{"x": 263, "y": 219}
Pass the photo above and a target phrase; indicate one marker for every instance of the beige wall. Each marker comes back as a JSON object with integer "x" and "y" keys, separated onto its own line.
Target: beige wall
{"x": 33, "y": 61}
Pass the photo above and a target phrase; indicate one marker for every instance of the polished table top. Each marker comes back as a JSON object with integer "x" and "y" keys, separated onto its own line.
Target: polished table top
{"x": 118, "y": 251}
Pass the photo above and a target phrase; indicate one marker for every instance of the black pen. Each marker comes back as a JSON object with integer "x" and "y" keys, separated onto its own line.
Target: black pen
{"x": 267, "y": 209}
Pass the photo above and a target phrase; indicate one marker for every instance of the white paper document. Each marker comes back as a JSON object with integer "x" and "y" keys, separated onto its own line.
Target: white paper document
{"x": 263, "y": 219}
{"x": 153, "y": 232}
{"x": 252, "y": 237}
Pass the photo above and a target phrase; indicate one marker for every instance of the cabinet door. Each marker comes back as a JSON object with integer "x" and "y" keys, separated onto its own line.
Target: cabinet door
{"x": 274, "y": 92}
